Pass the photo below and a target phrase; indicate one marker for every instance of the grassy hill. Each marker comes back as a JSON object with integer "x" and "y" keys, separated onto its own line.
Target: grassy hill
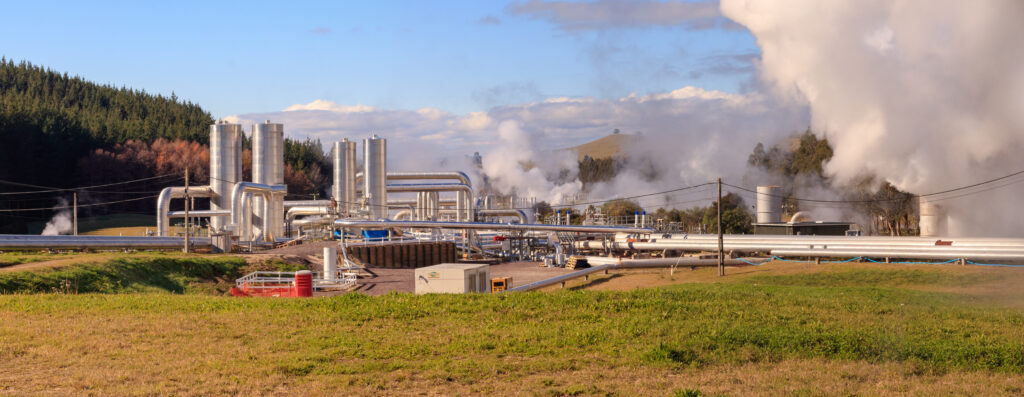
{"x": 773, "y": 329}
{"x": 614, "y": 145}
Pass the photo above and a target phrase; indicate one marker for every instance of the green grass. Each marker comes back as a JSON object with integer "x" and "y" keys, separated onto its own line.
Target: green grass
{"x": 684, "y": 326}
{"x": 17, "y": 258}
{"x": 488, "y": 342}
{"x": 142, "y": 273}
{"x": 877, "y": 278}
{"x": 561, "y": 343}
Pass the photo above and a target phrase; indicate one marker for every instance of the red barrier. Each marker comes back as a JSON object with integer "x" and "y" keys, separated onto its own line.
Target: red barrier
{"x": 276, "y": 285}
{"x": 303, "y": 284}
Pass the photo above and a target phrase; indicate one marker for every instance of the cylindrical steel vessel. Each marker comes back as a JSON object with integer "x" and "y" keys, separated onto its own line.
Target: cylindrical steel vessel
{"x": 268, "y": 169}
{"x": 225, "y": 170}
{"x": 769, "y": 204}
{"x": 932, "y": 221}
{"x": 344, "y": 190}
{"x": 375, "y": 159}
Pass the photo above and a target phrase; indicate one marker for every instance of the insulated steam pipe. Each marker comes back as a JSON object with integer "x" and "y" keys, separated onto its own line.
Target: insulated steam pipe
{"x": 163, "y": 203}
{"x": 31, "y": 242}
{"x": 461, "y": 188}
{"x": 463, "y": 202}
{"x": 626, "y": 264}
{"x": 198, "y": 214}
{"x": 523, "y": 218}
{"x": 361, "y": 223}
{"x": 240, "y": 188}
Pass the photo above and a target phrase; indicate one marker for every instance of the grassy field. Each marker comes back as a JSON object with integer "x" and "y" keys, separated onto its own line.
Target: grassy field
{"x": 839, "y": 330}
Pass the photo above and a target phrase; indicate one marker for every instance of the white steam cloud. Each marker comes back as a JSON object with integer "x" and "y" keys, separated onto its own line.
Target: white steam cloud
{"x": 60, "y": 223}
{"x": 926, "y": 94}
{"x": 514, "y": 166}
{"x": 686, "y": 136}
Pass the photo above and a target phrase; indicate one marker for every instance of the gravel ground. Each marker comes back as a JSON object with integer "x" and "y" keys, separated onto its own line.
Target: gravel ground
{"x": 379, "y": 281}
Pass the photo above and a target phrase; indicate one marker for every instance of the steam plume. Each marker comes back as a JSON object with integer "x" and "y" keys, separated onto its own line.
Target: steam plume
{"x": 926, "y": 94}
{"x": 60, "y": 223}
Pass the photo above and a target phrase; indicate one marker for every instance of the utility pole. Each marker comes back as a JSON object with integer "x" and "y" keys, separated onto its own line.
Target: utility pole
{"x": 721, "y": 242}
{"x": 74, "y": 212}
{"x": 186, "y": 210}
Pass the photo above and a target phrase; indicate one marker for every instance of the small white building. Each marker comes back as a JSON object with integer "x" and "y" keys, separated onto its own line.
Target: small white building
{"x": 453, "y": 278}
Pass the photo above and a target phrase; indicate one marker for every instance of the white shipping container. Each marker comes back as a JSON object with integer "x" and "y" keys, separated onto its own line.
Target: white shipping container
{"x": 453, "y": 278}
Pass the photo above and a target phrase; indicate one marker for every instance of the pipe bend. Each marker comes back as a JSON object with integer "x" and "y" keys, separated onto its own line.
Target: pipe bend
{"x": 163, "y": 203}
{"x": 523, "y": 218}
{"x": 264, "y": 190}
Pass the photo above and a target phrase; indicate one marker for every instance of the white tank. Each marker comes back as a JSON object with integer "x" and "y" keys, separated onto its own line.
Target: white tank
{"x": 225, "y": 171}
{"x": 375, "y": 161}
{"x": 344, "y": 190}
{"x": 268, "y": 169}
{"x": 933, "y": 220}
{"x": 330, "y": 263}
{"x": 769, "y": 204}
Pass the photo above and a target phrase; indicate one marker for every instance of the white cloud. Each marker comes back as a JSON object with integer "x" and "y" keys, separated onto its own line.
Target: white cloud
{"x": 689, "y": 134}
{"x": 321, "y": 104}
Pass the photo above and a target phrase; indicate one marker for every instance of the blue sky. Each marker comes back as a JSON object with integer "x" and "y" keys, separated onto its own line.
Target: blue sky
{"x": 250, "y": 57}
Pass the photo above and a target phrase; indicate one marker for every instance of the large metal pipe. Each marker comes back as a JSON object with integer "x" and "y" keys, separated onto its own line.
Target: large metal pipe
{"x": 465, "y": 192}
{"x": 911, "y": 254}
{"x": 304, "y": 211}
{"x": 769, "y": 205}
{"x": 308, "y": 210}
{"x": 344, "y": 190}
{"x": 463, "y": 202}
{"x": 403, "y": 214}
{"x": 257, "y": 189}
{"x": 626, "y": 264}
{"x": 381, "y": 224}
{"x": 198, "y": 214}
{"x": 225, "y": 171}
{"x": 825, "y": 246}
{"x": 876, "y": 240}
{"x": 375, "y": 162}
{"x": 306, "y": 203}
{"x": 19, "y": 242}
{"x": 163, "y": 203}
{"x": 523, "y": 218}
{"x": 423, "y": 175}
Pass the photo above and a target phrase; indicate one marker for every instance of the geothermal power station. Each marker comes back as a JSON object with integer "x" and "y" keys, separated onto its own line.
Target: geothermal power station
{"x": 419, "y": 218}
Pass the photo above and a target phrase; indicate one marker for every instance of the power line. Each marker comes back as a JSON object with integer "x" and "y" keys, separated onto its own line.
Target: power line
{"x": 64, "y": 207}
{"x": 911, "y": 195}
{"x": 56, "y": 189}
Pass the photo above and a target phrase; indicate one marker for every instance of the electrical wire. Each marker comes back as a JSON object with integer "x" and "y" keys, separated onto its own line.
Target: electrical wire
{"x": 910, "y": 196}
{"x": 64, "y": 207}
{"x": 81, "y": 188}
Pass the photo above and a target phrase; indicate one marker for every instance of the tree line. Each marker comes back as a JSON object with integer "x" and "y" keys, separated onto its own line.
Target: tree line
{"x": 62, "y": 131}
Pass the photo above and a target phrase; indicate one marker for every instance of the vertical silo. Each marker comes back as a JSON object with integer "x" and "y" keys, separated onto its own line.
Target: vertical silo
{"x": 932, "y": 221}
{"x": 344, "y": 190}
{"x": 375, "y": 159}
{"x": 268, "y": 169}
{"x": 769, "y": 204}
{"x": 225, "y": 171}
{"x": 276, "y": 137}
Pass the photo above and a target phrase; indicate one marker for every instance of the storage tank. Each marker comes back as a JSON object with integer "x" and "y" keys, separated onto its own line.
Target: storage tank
{"x": 268, "y": 169}
{"x": 344, "y": 190}
{"x": 933, "y": 220}
{"x": 769, "y": 204}
{"x": 225, "y": 171}
{"x": 375, "y": 159}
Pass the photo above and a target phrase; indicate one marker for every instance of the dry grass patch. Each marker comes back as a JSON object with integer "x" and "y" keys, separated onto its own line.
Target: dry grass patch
{"x": 732, "y": 338}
